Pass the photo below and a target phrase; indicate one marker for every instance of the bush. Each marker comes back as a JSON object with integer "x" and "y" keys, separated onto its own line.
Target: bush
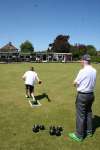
{"x": 95, "y": 59}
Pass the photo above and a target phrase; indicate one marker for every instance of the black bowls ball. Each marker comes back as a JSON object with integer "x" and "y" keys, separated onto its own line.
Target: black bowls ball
{"x": 42, "y": 127}
{"x": 55, "y": 130}
{"x": 37, "y": 127}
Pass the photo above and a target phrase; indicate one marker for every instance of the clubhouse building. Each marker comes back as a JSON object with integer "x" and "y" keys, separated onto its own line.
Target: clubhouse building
{"x": 10, "y": 53}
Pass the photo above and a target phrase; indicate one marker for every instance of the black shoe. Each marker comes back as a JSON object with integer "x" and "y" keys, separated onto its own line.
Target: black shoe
{"x": 89, "y": 134}
{"x": 35, "y": 102}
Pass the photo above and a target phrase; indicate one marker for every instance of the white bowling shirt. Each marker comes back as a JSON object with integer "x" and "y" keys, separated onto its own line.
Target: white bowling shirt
{"x": 86, "y": 79}
{"x": 30, "y": 77}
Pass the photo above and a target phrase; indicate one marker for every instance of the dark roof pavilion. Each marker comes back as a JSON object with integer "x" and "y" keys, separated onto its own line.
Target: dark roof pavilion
{"x": 9, "y": 48}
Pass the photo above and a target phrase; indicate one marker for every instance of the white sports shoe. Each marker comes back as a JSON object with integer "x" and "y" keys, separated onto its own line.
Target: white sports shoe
{"x": 26, "y": 96}
{"x": 33, "y": 98}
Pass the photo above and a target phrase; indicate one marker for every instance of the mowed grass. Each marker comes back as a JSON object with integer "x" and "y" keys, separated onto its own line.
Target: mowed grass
{"x": 17, "y": 117}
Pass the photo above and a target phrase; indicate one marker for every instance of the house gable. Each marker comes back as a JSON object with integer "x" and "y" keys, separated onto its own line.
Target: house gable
{"x": 9, "y": 48}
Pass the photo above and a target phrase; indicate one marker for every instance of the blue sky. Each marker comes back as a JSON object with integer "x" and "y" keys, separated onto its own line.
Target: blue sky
{"x": 40, "y": 21}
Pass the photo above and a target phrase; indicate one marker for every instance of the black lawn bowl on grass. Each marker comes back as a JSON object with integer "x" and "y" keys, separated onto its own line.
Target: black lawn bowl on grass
{"x": 52, "y": 129}
{"x": 37, "y": 127}
{"x": 59, "y": 128}
{"x": 42, "y": 127}
{"x": 55, "y": 130}
{"x": 17, "y": 115}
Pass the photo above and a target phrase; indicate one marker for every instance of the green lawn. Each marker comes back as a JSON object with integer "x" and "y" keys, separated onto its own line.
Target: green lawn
{"x": 17, "y": 117}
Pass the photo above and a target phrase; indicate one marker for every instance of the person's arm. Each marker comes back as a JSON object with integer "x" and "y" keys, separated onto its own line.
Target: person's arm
{"x": 75, "y": 83}
{"x": 37, "y": 78}
{"x": 23, "y": 77}
{"x": 78, "y": 79}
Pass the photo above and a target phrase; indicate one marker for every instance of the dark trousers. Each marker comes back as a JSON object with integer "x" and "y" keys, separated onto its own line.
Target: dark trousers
{"x": 84, "y": 114}
{"x": 29, "y": 89}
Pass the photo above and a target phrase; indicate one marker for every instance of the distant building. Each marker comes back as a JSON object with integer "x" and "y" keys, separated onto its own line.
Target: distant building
{"x": 53, "y": 57}
{"x": 9, "y": 48}
{"x": 8, "y": 52}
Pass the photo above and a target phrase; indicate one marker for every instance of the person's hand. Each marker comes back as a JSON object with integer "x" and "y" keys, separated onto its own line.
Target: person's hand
{"x": 74, "y": 83}
{"x": 40, "y": 81}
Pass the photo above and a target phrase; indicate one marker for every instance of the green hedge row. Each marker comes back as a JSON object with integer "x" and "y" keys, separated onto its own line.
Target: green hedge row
{"x": 95, "y": 59}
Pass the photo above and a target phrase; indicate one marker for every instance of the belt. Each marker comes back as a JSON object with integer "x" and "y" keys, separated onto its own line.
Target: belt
{"x": 85, "y": 93}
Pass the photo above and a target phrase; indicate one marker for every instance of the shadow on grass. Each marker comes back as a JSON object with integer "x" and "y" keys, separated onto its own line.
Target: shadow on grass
{"x": 44, "y": 95}
{"x": 96, "y": 123}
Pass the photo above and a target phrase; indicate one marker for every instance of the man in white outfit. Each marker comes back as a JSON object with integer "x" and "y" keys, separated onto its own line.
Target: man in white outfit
{"x": 30, "y": 77}
{"x": 85, "y": 84}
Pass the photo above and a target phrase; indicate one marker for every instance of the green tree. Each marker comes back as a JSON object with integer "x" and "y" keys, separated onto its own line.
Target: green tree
{"x": 27, "y": 47}
{"x": 91, "y": 50}
{"x": 82, "y": 49}
{"x": 75, "y": 51}
{"x": 79, "y": 49}
{"x": 60, "y": 44}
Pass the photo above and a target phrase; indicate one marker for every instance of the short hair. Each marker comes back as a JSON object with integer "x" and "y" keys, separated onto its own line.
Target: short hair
{"x": 86, "y": 57}
{"x": 32, "y": 68}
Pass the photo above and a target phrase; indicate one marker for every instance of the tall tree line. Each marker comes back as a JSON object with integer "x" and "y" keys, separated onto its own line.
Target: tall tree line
{"x": 61, "y": 45}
